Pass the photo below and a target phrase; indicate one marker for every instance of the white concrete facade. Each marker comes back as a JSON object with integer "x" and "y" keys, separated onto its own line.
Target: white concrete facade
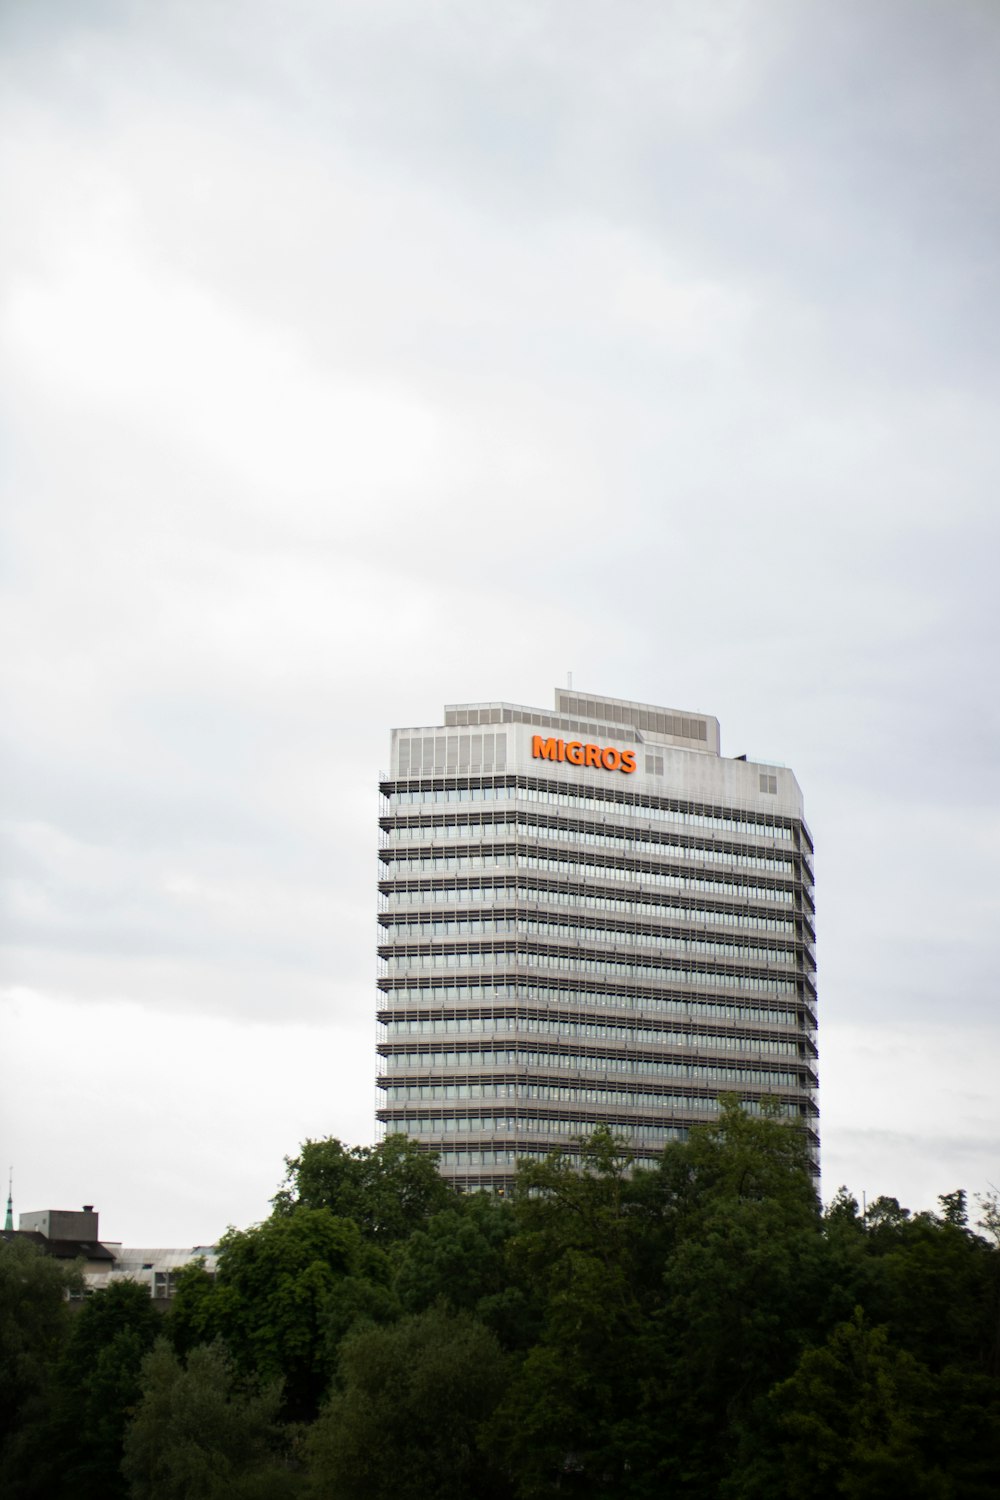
{"x": 587, "y": 915}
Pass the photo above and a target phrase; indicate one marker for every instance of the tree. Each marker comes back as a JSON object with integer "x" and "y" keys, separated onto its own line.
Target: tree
{"x": 191, "y": 1316}
{"x": 198, "y": 1434}
{"x": 934, "y": 1283}
{"x": 741, "y": 1299}
{"x": 403, "y": 1420}
{"x": 852, "y": 1416}
{"x": 98, "y": 1386}
{"x": 742, "y": 1157}
{"x": 586, "y": 1228}
{"x": 277, "y": 1288}
{"x": 35, "y": 1323}
{"x": 687, "y": 1289}
{"x": 989, "y": 1207}
{"x": 461, "y": 1260}
{"x": 388, "y": 1190}
{"x": 955, "y": 1208}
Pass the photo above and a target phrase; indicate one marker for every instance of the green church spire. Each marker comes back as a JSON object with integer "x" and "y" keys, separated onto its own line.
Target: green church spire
{"x": 8, "y": 1223}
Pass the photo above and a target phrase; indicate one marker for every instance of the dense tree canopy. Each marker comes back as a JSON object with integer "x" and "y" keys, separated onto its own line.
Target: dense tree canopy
{"x": 403, "y": 1420}
{"x": 70, "y": 1441}
{"x": 278, "y": 1287}
{"x": 697, "y": 1327}
{"x": 33, "y": 1326}
{"x": 388, "y": 1190}
{"x": 198, "y": 1435}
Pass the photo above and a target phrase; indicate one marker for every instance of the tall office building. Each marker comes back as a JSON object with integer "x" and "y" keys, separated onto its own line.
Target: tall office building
{"x": 587, "y": 917}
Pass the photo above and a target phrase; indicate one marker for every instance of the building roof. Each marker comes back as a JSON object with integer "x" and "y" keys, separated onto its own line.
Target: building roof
{"x": 61, "y": 1249}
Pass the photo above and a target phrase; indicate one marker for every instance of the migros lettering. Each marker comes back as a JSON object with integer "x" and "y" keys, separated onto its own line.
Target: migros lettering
{"x": 599, "y": 757}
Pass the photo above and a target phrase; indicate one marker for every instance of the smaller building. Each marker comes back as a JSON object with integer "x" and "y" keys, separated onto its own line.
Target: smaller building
{"x": 155, "y": 1269}
{"x": 68, "y": 1235}
{"x": 72, "y": 1235}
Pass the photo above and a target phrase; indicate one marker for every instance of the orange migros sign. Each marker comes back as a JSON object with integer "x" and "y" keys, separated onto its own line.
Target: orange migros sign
{"x": 600, "y": 757}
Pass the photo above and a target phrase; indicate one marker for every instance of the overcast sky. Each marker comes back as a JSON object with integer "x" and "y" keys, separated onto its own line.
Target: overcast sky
{"x": 361, "y": 356}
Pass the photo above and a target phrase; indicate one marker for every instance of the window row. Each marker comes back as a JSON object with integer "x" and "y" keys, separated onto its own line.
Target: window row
{"x": 400, "y": 864}
{"x": 399, "y": 932}
{"x": 680, "y": 1005}
{"x": 600, "y": 1031}
{"x": 492, "y": 1158}
{"x": 509, "y": 1057}
{"x": 582, "y": 963}
{"x": 621, "y": 842}
{"x": 734, "y": 822}
{"x": 531, "y": 1125}
{"x": 450, "y": 1159}
{"x": 613, "y": 905}
{"x": 432, "y": 1093}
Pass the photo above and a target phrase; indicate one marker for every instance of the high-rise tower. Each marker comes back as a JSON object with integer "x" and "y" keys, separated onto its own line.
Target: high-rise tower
{"x": 588, "y": 917}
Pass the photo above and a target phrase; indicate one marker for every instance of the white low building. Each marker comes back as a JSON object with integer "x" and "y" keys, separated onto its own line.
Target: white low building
{"x": 72, "y": 1236}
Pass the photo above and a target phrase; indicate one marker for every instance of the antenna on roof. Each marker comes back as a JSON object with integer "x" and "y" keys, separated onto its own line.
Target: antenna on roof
{"x": 8, "y": 1223}
{"x": 569, "y": 680}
